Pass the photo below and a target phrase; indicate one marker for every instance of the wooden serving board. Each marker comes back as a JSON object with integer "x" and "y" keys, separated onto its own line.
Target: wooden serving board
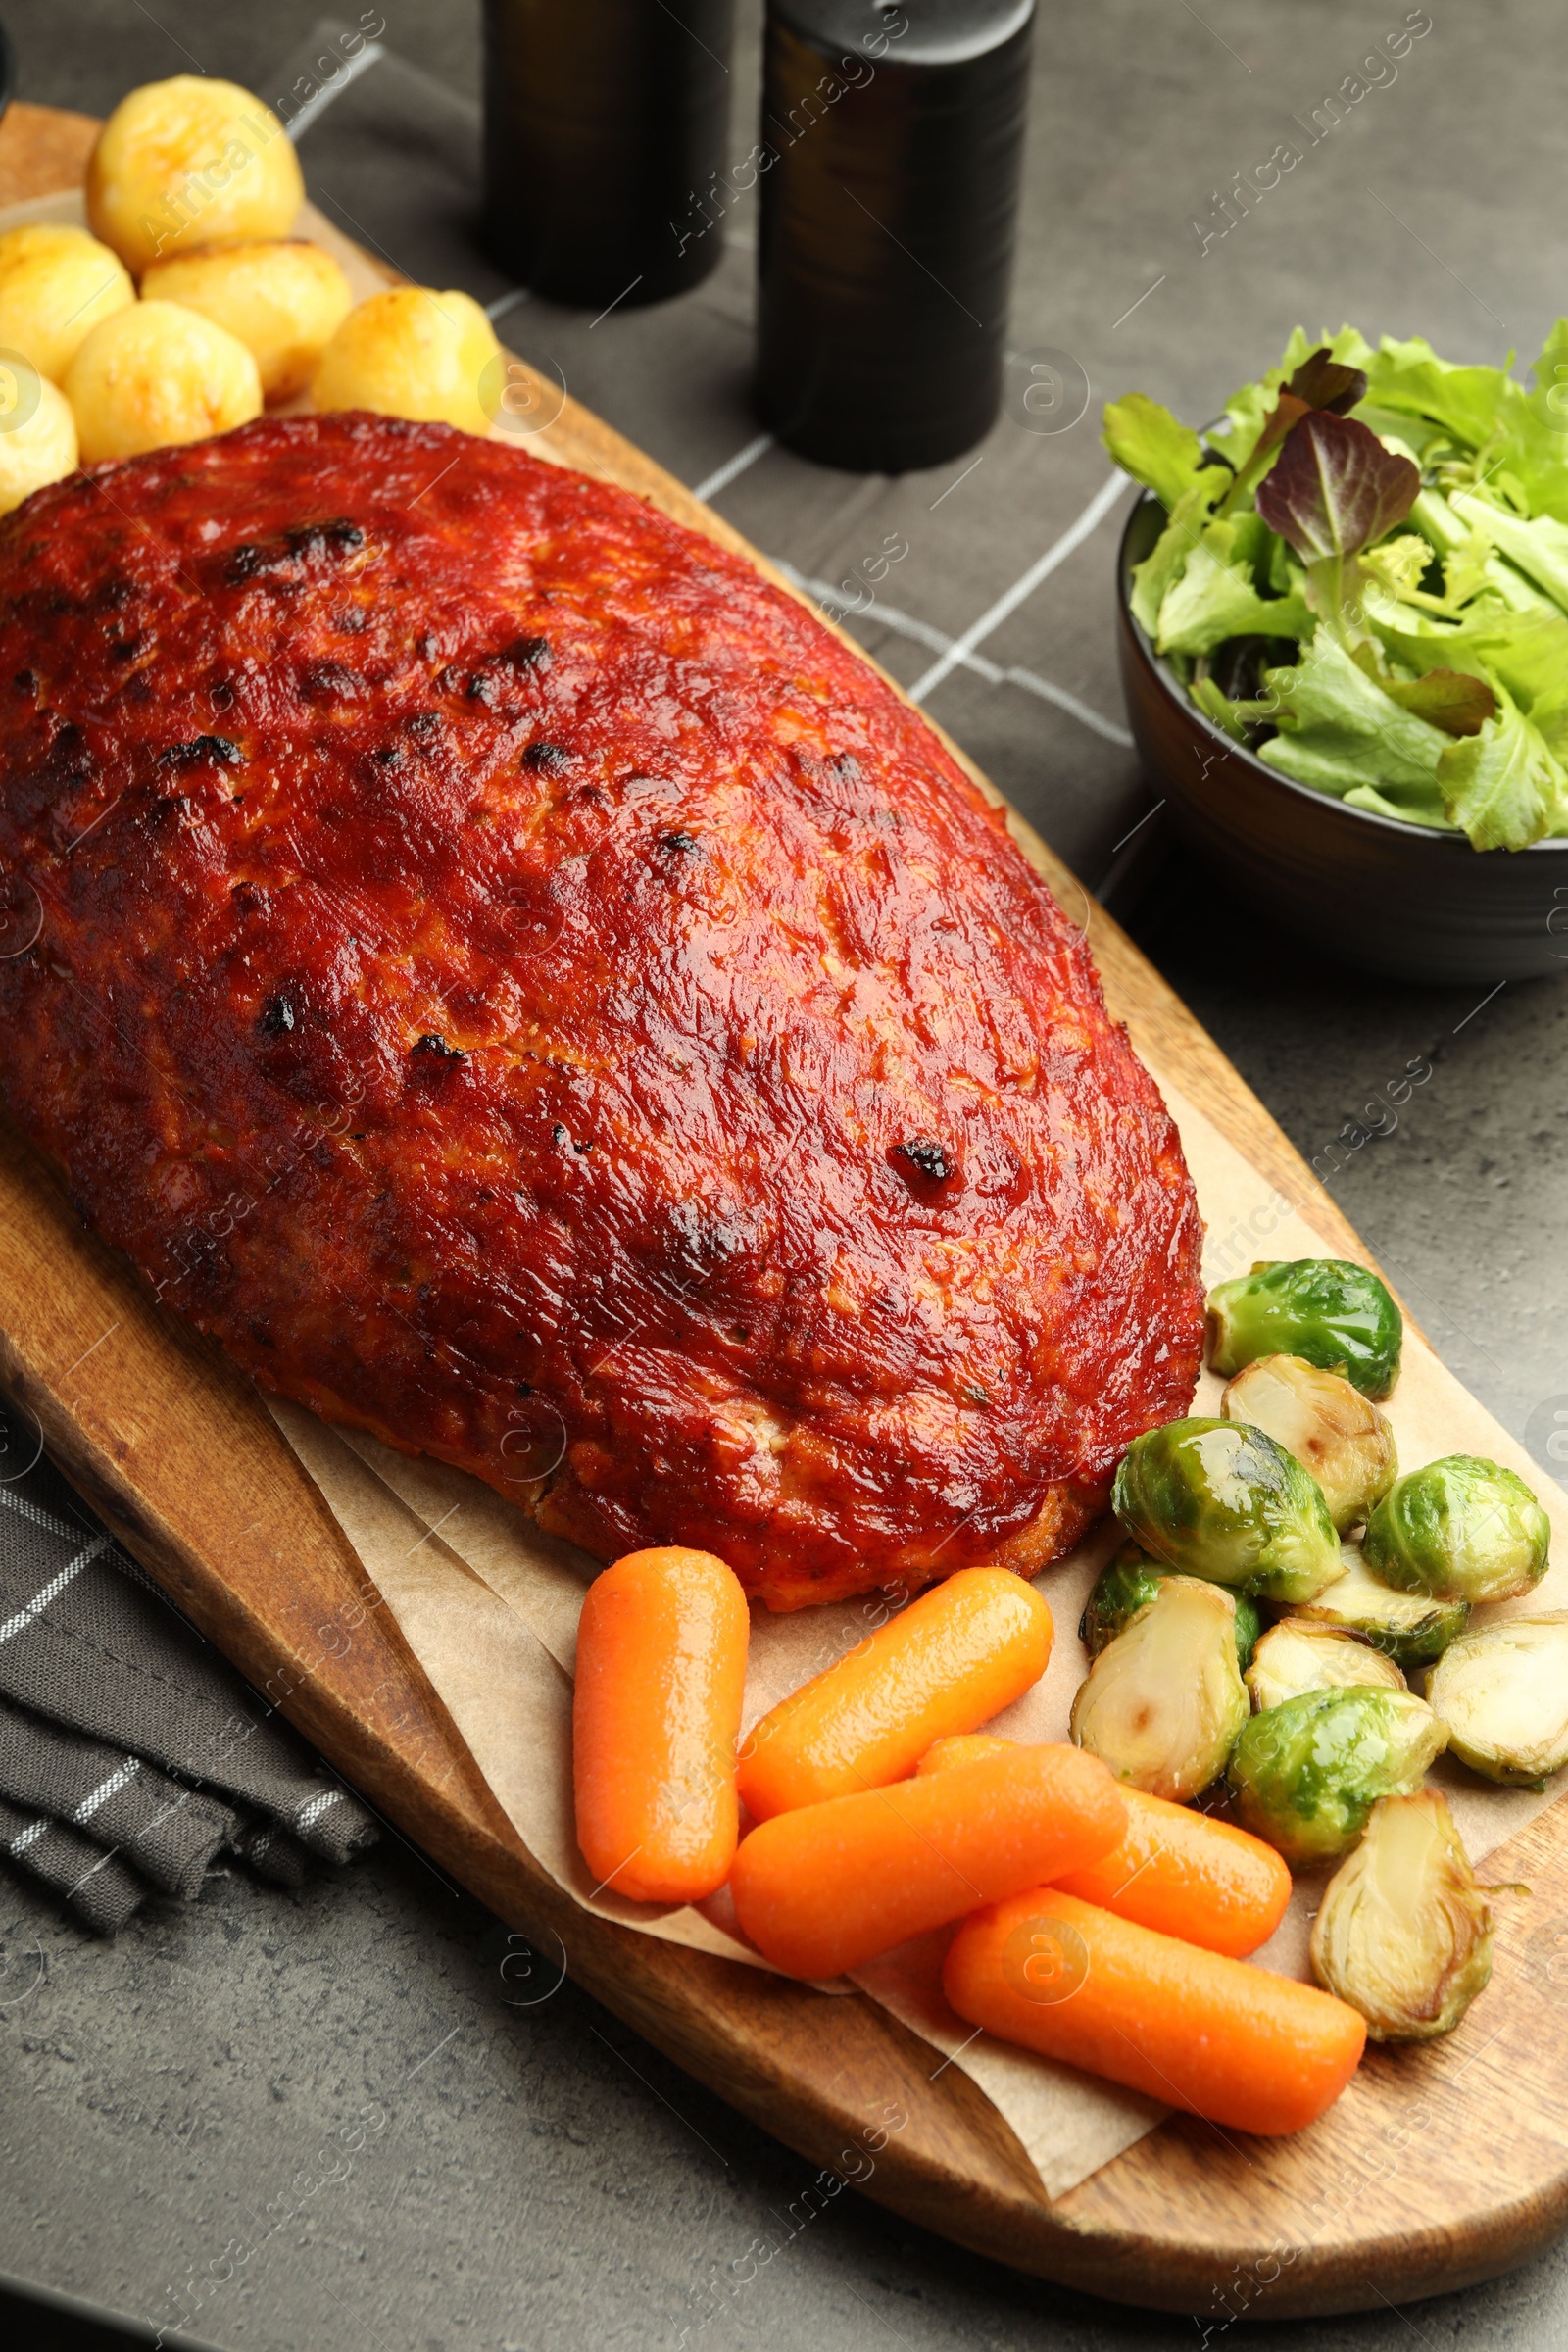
{"x": 1440, "y": 2166}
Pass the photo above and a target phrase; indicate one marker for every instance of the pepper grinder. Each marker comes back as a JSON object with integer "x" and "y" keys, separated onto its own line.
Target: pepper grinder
{"x": 891, "y": 146}
{"x": 604, "y": 121}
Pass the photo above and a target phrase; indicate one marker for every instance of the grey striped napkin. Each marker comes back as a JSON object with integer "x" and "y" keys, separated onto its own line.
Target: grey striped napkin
{"x": 131, "y": 1754}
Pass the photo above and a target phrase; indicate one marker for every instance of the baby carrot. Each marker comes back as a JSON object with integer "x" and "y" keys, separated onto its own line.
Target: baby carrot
{"x": 1175, "y": 1870}
{"x": 1194, "y": 2029}
{"x": 953, "y": 1659}
{"x": 661, "y": 1668}
{"x": 824, "y": 1887}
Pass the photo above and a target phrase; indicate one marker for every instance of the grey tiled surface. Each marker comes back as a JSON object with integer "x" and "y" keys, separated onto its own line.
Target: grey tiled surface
{"x": 541, "y": 2178}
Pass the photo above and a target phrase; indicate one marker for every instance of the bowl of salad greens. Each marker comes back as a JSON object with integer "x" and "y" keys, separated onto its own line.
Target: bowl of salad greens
{"x": 1344, "y": 647}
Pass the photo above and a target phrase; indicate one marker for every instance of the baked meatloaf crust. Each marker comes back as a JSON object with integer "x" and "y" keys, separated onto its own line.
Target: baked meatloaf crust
{"x": 536, "y": 995}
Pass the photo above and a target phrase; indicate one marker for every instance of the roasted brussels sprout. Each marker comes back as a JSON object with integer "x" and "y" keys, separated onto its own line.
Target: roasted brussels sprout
{"x": 1307, "y": 1773}
{"x": 1131, "y": 1579}
{"x": 1297, "y": 1655}
{"x": 1408, "y": 1627}
{"x": 1339, "y": 1434}
{"x": 1327, "y": 1310}
{"x": 1502, "y": 1692}
{"x": 1162, "y": 1704}
{"x": 1460, "y": 1529}
{"x": 1403, "y": 1932}
{"x": 1222, "y": 1501}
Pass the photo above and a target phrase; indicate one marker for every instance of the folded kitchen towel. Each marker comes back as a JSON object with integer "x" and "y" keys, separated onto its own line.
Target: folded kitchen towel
{"x": 270, "y": 1851}
{"x": 96, "y": 1885}
{"x": 168, "y": 1833}
{"x": 105, "y": 1692}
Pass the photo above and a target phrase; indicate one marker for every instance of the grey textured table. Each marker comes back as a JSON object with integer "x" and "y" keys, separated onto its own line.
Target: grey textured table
{"x": 530, "y": 2174}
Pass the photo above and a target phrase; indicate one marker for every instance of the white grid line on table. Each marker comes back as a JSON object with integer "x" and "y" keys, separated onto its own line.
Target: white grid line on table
{"x": 733, "y": 467}
{"x": 313, "y": 108}
{"x": 905, "y": 624}
{"x": 1041, "y": 570}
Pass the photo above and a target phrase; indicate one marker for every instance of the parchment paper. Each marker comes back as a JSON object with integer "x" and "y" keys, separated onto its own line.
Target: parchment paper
{"x": 489, "y": 1606}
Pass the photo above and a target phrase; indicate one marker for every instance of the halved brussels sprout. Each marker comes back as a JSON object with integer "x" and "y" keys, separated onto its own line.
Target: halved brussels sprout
{"x": 1307, "y": 1773}
{"x": 1297, "y": 1655}
{"x": 1461, "y": 1529}
{"x": 1162, "y": 1704}
{"x": 1222, "y": 1501}
{"x": 1339, "y": 1434}
{"x": 1403, "y": 1932}
{"x": 1502, "y": 1691}
{"x": 1128, "y": 1584}
{"x": 1331, "y": 1312}
{"x": 1409, "y": 1628}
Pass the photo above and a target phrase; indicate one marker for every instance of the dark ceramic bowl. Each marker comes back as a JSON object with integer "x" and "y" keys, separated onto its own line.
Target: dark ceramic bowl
{"x": 1406, "y": 900}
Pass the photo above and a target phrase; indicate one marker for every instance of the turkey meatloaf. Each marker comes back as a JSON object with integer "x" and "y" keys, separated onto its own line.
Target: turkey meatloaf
{"x": 536, "y": 995}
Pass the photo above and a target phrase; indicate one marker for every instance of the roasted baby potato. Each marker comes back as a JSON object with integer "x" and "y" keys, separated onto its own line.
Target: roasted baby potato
{"x": 1131, "y": 1579}
{"x": 159, "y": 373}
{"x": 56, "y": 282}
{"x": 1459, "y": 1529}
{"x": 38, "y": 434}
{"x": 1297, "y": 1655}
{"x": 1163, "y": 1703}
{"x": 1408, "y": 1627}
{"x": 1403, "y": 1932}
{"x": 283, "y": 300}
{"x": 190, "y": 162}
{"x": 1327, "y": 1424}
{"x": 411, "y": 353}
{"x": 1502, "y": 1691}
{"x": 1329, "y": 1310}
{"x": 1306, "y": 1775}
{"x": 1220, "y": 1499}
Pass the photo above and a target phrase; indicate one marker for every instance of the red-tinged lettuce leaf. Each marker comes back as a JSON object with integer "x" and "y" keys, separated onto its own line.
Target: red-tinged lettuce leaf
{"x": 1286, "y": 414}
{"x": 1321, "y": 381}
{"x": 1334, "y": 488}
{"x": 1324, "y": 382}
{"x": 1446, "y": 699}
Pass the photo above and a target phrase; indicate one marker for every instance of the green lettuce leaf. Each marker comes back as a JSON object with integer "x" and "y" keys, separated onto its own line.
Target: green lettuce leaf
{"x": 1411, "y": 379}
{"x": 1166, "y": 560}
{"x": 1215, "y": 598}
{"x": 1418, "y": 808}
{"x": 1538, "y": 548}
{"x": 1504, "y": 786}
{"x": 1418, "y": 436}
{"x": 1526, "y": 459}
{"x": 1549, "y": 715}
{"x": 1151, "y": 445}
{"x": 1247, "y": 413}
{"x": 1215, "y": 703}
{"x": 1338, "y": 729}
{"x": 1526, "y": 652}
{"x": 1253, "y": 545}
